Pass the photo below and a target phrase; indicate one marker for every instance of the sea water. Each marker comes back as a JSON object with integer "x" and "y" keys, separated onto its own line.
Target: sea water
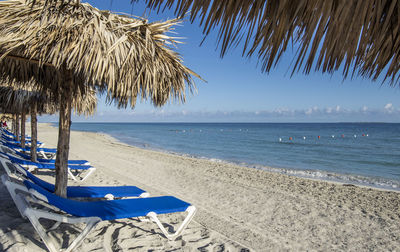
{"x": 356, "y": 153}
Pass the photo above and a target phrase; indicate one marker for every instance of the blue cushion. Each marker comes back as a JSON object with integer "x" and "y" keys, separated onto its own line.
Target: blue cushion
{"x": 51, "y": 161}
{"x": 28, "y": 149}
{"x": 12, "y": 140}
{"x": 90, "y": 191}
{"x": 45, "y": 165}
{"x": 113, "y": 209}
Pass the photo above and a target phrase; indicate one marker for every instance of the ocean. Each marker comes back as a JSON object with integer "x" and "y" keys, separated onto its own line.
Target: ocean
{"x": 355, "y": 153}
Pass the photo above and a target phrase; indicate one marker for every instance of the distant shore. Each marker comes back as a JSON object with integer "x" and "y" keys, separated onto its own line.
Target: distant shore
{"x": 239, "y": 208}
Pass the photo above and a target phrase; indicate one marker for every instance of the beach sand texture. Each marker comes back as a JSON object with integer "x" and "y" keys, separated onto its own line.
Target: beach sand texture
{"x": 239, "y": 208}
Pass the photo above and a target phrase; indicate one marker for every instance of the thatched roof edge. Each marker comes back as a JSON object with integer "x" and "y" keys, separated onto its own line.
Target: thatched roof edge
{"x": 362, "y": 37}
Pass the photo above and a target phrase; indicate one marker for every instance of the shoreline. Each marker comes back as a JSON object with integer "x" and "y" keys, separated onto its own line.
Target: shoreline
{"x": 327, "y": 176}
{"x": 269, "y": 169}
{"x": 239, "y": 208}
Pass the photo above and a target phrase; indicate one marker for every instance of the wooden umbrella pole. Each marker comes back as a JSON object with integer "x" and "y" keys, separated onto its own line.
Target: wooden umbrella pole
{"x": 64, "y": 136}
{"x": 23, "y": 117}
{"x": 17, "y": 126}
{"x": 34, "y": 132}
{"x": 12, "y": 125}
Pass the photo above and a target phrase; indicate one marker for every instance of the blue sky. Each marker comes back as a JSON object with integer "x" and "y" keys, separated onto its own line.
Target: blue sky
{"x": 237, "y": 91}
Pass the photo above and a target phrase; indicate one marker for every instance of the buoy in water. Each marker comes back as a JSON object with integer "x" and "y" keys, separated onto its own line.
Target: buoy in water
{"x": 333, "y": 136}
{"x": 342, "y": 136}
{"x": 280, "y": 139}
{"x": 319, "y": 137}
{"x": 355, "y": 136}
{"x": 304, "y": 137}
{"x": 290, "y": 138}
{"x": 363, "y": 134}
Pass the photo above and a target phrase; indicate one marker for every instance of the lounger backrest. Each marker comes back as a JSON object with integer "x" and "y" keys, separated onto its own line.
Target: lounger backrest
{"x": 17, "y": 167}
{"x": 21, "y": 170}
{"x": 38, "y": 181}
{"x": 57, "y": 201}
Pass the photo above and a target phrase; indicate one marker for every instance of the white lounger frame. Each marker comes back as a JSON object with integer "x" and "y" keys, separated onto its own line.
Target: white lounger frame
{"x": 22, "y": 198}
{"x": 31, "y": 168}
{"x": 41, "y": 152}
{"x": 21, "y": 174}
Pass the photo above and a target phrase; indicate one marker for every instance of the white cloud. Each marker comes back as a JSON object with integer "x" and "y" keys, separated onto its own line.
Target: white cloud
{"x": 387, "y": 113}
{"x": 389, "y": 108}
{"x": 328, "y": 110}
{"x": 280, "y": 111}
{"x": 312, "y": 110}
{"x": 364, "y": 109}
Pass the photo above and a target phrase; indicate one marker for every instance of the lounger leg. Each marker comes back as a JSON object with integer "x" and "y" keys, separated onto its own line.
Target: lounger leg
{"x": 91, "y": 170}
{"x": 34, "y": 215}
{"x": 30, "y": 168}
{"x": 90, "y": 225}
{"x": 42, "y": 153}
{"x": 12, "y": 187}
{"x": 191, "y": 211}
{"x": 72, "y": 175}
{"x": 41, "y": 231}
{"x": 56, "y": 225}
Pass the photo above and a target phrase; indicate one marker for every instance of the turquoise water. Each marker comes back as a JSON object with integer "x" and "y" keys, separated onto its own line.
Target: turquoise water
{"x": 357, "y": 153}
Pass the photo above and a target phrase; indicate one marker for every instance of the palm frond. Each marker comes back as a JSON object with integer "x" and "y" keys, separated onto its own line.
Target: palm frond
{"x": 362, "y": 36}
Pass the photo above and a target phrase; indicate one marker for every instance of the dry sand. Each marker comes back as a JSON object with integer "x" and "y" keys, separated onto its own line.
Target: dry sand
{"x": 239, "y": 208}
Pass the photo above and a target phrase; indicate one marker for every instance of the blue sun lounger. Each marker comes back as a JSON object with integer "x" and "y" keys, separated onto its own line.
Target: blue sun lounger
{"x": 92, "y": 212}
{"x": 37, "y": 165}
{"x": 12, "y": 138}
{"x": 14, "y": 141}
{"x": 46, "y": 153}
{"x": 7, "y": 132}
{"x": 11, "y": 135}
{"x": 28, "y": 149}
{"x": 50, "y": 161}
{"x": 106, "y": 192}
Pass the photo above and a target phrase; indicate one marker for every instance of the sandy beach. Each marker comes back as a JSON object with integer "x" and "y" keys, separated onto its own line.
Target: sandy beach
{"x": 239, "y": 208}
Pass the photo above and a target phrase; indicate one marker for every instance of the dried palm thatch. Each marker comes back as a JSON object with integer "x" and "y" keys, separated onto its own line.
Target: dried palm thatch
{"x": 122, "y": 56}
{"x": 68, "y": 46}
{"x": 20, "y": 101}
{"x": 364, "y": 35}
{"x": 25, "y": 98}
{"x": 17, "y": 98}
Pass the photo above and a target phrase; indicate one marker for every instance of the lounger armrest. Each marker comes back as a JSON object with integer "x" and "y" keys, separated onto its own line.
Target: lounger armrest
{"x": 38, "y": 195}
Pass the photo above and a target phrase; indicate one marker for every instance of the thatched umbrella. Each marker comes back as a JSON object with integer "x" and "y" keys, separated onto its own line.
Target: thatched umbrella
{"x": 21, "y": 101}
{"x": 69, "y": 46}
{"x": 364, "y": 35}
{"x": 27, "y": 98}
